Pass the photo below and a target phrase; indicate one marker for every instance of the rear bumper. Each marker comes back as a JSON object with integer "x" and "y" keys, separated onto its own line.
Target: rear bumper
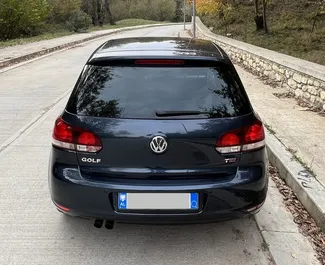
{"x": 241, "y": 195}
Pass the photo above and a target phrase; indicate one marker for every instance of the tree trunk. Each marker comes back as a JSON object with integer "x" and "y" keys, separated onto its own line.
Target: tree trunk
{"x": 257, "y": 7}
{"x": 100, "y": 13}
{"x": 264, "y": 17}
{"x": 150, "y": 15}
{"x": 258, "y": 17}
{"x": 109, "y": 13}
{"x": 94, "y": 13}
{"x": 259, "y": 21}
{"x": 317, "y": 14}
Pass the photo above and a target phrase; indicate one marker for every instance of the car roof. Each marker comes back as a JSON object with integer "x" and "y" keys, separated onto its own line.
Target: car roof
{"x": 159, "y": 47}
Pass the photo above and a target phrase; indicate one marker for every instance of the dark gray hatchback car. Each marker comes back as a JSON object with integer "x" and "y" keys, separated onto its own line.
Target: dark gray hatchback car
{"x": 158, "y": 130}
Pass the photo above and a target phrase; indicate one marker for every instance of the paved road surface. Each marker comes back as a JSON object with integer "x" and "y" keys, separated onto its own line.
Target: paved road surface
{"x": 33, "y": 232}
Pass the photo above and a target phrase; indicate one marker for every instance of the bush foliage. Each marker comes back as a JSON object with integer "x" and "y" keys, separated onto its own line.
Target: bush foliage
{"x": 21, "y": 17}
{"x": 62, "y": 10}
{"x": 78, "y": 21}
{"x": 25, "y": 18}
{"x": 159, "y": 10}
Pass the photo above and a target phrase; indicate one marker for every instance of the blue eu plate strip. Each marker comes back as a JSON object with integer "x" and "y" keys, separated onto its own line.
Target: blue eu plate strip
{"x": 122, "y": 200}
{"x": 194, "y": 201}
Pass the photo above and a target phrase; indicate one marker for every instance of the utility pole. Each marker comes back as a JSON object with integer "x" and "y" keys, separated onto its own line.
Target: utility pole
{"x": 194, "y": 15}
{"x": 184, "y": 11}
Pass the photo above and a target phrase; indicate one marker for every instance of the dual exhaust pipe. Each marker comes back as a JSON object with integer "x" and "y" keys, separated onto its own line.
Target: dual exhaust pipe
{"x": 108, "y": 224}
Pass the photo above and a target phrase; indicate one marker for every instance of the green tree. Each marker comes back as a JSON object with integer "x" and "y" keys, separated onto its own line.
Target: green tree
{"x": 99, "y": 11}
{"x": 164, "y": 9}
{"x": 21, "y": 17}
{"x": 159, "y": 10}
{"x": 79, "y": 21}
{"x": 61, "y": 10}
{"x": 179, "y": 10}
{"x": 107, "y": 6}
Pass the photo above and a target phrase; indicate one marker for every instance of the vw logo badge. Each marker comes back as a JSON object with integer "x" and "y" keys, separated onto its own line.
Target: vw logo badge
{"x": 158, "y": 144}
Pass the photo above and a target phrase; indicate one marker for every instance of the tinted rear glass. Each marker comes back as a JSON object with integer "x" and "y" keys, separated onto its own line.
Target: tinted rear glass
{"x": 139, "y": 92}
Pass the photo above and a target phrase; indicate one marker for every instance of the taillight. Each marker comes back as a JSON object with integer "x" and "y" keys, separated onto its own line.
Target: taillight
{"x": 241, "y": 140}
{"x": 73, "y": 138}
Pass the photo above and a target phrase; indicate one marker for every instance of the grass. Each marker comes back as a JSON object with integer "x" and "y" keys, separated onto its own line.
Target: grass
{"x": 56, "y": 31}
{"x": 269, "y": 128}
{"x": 292, "y": 151}
{"x": 290, "y": 24}
{"x": 299, "y": 160}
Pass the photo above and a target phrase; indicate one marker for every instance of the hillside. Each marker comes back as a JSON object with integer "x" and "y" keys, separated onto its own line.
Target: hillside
{"x": 290, "y": 27}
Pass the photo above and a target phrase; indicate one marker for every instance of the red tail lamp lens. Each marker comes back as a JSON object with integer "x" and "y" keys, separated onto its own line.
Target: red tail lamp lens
{"x": 72, "y": 138}
{"x": 88, "y": 138}
{"x": 254, "y": 133}
{"x": 244, "y": 139}
{"x": 62, "y": 131}
{"x": 228, "y": 139}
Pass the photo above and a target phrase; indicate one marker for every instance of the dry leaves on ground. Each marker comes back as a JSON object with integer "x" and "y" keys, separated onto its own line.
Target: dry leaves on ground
{"x": 307, "y": 225}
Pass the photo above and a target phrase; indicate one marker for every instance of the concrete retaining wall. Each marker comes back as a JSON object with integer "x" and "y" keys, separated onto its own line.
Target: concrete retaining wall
{"x": 306, "y": 80}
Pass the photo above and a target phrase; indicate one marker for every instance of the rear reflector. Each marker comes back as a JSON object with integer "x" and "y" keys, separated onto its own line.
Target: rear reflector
{"x": 65, "y": 209}
{"x": 159, "y": 62}
{"x": 242, "y": 140}
{"x": 255, "y": 209}
{"x": 73, "y": 138}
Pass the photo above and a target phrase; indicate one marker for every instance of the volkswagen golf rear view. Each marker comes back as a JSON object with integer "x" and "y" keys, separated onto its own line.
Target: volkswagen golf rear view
{"x": 158, "y": 130}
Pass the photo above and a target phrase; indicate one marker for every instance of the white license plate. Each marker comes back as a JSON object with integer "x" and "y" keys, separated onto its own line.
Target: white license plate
{"x": 158, "y": 201}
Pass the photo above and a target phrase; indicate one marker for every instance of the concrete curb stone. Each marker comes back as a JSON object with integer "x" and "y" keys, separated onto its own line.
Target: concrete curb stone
{"x": 306, "y": 187}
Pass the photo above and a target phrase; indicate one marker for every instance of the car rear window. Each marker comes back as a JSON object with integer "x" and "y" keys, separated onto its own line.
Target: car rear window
{"x": 139, "y": 92}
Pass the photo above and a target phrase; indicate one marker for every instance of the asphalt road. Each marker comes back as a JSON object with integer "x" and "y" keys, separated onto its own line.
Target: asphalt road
{"x": 33, "y": 232}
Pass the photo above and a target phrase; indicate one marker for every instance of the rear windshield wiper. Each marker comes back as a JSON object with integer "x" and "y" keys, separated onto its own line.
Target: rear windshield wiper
{"x": 170, "y": 113}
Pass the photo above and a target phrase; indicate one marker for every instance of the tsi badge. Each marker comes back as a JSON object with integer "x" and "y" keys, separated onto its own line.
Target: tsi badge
{"x": 91, "y": 160}
{"x": 230, "y": 160}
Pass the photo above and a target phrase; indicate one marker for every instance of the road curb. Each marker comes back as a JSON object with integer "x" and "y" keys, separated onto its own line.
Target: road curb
{"x": 42, "y": 52}
{"x": 306, "y": 187}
